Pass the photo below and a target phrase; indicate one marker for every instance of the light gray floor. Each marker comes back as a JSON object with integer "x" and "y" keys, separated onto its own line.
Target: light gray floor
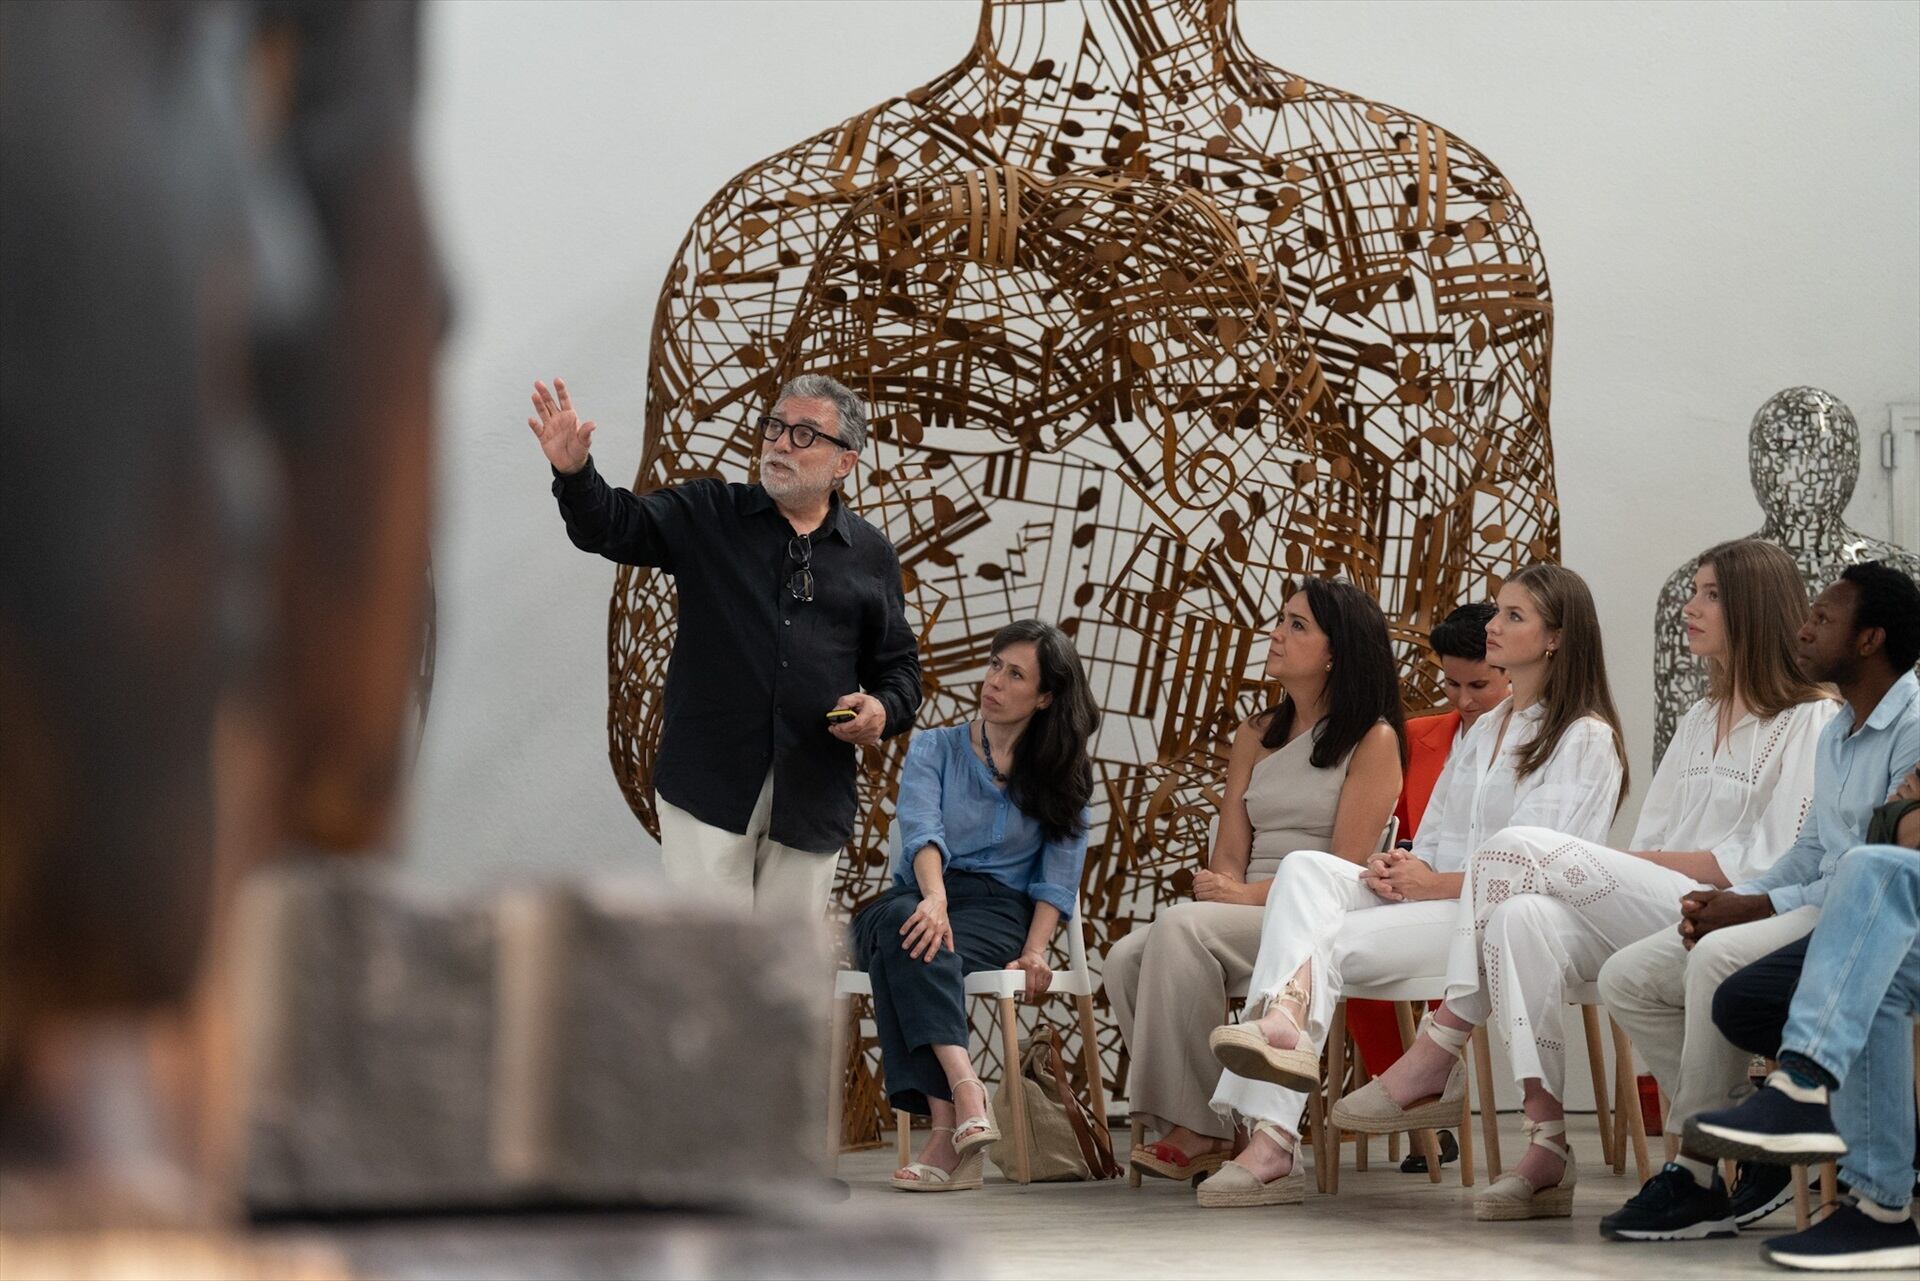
{"x": 1382, "y": 1223}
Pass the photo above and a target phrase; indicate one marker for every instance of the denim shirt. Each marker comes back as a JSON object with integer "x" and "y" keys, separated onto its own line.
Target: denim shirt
{"x": 950, "y": 801}
{"x": 1855, "y": 772}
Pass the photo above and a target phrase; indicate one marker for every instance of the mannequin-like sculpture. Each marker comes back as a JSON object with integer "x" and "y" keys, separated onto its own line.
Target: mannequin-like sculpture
{"x": 1150, "y": 326}
{"x": 1803, "y": 457}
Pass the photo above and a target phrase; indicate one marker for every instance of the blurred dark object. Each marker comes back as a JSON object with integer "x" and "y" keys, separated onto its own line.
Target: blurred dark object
{"x": 217, "y": 337}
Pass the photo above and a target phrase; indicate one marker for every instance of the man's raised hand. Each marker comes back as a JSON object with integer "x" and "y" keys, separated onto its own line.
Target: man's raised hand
{"x": 564, "y": 439}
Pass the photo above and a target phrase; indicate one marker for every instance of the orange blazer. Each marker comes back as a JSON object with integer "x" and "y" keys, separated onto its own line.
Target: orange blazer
{"x": 1429, "y": 739}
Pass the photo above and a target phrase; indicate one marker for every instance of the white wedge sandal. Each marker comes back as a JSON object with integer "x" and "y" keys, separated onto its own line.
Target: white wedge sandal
{"x": 1514, "y": 1197}
{"x": 964, "y": 1177}
{"x": 979, "y": 1132}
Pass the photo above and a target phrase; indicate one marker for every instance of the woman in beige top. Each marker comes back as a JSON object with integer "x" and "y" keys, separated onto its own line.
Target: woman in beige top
{"x": 1319, "y": 771}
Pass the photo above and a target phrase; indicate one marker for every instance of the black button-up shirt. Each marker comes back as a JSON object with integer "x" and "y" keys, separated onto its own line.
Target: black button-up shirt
{"x": 754, "y": 671}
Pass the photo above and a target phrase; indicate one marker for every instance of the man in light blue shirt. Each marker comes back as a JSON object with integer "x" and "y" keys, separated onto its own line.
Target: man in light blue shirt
{"x": 1862, "y": 635}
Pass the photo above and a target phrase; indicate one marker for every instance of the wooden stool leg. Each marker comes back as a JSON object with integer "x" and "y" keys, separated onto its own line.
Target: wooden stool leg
{"x": 1627, "y": 1116}
{"x": 1425, "y": 1142}
{"x": 1362, "y": 1143}
{"x": 1317, "y": 1118}
{"x": 1466, "y": 1134}
{"x": 1393, "y": 1147}
{"x": 1802, "y": 1201}
{"x": 1335, "y": 1085}
{"x": 837, "y": 1076}
{"x": 1016, "y": 1092}
{"x": 1139, "y": 1130}
{"x": 1829, "y": 1184}
{"x": 1090, "y": 1062}
{"x": 902, "y": 1136}
{"x": 1597, "y": 1065}
{"x": 1489, "y": 1106}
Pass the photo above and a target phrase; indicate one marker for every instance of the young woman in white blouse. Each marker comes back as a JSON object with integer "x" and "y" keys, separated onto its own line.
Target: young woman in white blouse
{"x": 1551, "y": 754}
{"x": 1543, "y": 905}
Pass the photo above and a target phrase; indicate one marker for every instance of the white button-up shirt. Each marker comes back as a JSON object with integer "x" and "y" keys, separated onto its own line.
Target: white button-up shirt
{"x": 1576, "y": 791}
{"x": 1744, "y": 802}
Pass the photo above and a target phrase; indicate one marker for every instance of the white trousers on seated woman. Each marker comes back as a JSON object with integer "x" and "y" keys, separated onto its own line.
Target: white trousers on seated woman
{"x": 1541, "y": 911}
{"x": 1319, "y": 911}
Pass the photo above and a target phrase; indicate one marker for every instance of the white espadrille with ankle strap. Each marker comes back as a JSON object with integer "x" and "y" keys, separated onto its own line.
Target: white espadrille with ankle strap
{"x": 1368, "y": 1110}
{"x": 1513, "y": 1196}
{"x": 1235, "y": 1185}
{"x": 964, "y": 1177}
{"x": 975, "y": 1132}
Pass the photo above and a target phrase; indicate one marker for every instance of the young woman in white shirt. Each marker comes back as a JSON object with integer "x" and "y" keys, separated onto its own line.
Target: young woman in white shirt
{"x": 1543, "y": 905}
{"x": 1550, "y": 754}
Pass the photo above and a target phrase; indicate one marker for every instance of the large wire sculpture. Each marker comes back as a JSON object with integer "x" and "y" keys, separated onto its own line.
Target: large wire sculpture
{"x": 1151, "y": 328}
{"x": 1803, "y": 457}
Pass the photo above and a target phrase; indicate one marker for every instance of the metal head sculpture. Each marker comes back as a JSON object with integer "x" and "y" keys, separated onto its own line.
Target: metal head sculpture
{"x": 1803, "y": 455}
{"x": 1151, "y": 327}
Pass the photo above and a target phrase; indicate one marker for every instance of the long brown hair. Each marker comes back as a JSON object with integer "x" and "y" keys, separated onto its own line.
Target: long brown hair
{"x": 1763, "y": 601}
{"x": 1576, "y": 684}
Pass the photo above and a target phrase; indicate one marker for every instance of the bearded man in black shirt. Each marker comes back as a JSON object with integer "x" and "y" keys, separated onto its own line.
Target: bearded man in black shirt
{"x": 790, "y": 609}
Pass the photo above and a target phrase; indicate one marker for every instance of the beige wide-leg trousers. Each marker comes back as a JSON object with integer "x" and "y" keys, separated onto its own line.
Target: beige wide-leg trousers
{"x": 1662, "y": 994}
{"x": 1168, "y": 983}
{"x": 747, "y": 870}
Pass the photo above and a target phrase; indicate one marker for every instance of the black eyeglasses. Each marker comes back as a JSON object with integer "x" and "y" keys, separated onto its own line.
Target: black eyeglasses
{"x": 802, "y": 434}
{"x": 800, "y": 582}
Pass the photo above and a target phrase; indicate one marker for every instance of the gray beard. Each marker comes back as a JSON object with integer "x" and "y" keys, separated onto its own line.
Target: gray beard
{"x": 790, "y": 493}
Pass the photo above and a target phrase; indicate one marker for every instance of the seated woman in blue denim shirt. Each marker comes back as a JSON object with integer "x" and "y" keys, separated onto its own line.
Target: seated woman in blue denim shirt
{"x": 992, "y": 821}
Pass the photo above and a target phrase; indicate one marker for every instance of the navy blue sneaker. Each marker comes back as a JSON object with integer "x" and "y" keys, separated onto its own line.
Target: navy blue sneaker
{"x": 1759, "y": 1190}
{"x": 1780, "y": 1123}
{"x": 1848, "y": 1240}
{"x": 1672, "y": 1206}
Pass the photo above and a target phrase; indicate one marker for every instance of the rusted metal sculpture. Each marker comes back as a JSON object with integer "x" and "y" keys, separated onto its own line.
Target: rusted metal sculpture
{"x": 220, "y": 320}
{"x": 1150, "y": 328}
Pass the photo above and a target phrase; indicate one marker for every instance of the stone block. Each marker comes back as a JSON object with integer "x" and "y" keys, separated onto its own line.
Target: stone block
{"x": 534, "y": 1047}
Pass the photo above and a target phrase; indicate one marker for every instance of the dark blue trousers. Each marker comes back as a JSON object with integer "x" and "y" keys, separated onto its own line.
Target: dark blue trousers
{"x": 920, "y": 1004}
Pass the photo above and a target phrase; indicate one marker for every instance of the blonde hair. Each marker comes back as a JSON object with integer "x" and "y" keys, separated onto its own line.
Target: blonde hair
{"x": 1764, "y": 602}
{"x": 1576, "y": 684}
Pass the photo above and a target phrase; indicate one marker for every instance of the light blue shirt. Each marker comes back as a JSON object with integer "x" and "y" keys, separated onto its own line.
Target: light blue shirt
{"x": 1854, "y": 772}
{"x": 950, "y": 801}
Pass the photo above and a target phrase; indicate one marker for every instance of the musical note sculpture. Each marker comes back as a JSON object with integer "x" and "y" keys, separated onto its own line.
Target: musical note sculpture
{"x": 1150, "y": 328}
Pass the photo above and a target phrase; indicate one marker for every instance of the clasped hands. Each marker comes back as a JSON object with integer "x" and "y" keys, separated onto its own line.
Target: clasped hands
{"x": 1398, "y": 877}
{"x": 928, "y": 931}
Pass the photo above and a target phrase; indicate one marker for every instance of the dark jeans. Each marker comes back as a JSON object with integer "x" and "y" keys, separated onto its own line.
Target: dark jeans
{"x": 1750, "y": 1009}
{"x": 920, "y": 1004}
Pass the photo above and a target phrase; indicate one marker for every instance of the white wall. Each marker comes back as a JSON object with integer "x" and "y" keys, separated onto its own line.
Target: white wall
{"x": 1728, "y": 197}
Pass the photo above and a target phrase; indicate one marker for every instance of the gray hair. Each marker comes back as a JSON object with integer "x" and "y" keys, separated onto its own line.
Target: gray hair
{"x": 849, "y": 412}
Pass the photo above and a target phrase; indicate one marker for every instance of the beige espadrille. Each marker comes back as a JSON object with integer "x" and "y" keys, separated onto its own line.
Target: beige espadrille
{"x": 1368, "y": 1110}
{"x": 1514, "y": 1197}
{"x": 1236, "y": 1186}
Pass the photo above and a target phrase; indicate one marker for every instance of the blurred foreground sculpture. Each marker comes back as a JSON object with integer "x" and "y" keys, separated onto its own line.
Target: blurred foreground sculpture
{"x": 217, "y": 340}
{"x": 1150, "y": 328}
{"x": 1803, "y": 458}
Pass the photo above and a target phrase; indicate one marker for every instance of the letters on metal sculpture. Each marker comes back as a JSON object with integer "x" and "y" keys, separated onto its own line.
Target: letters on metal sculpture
{"x": 1150, "y": 329}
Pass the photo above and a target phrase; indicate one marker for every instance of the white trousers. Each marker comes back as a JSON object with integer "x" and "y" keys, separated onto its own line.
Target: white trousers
{"x": 749, "y": 871}
{"x": 1319, "y": 911}
{"x": 1662, "y": 994}
{"x": 1541, "y": 911}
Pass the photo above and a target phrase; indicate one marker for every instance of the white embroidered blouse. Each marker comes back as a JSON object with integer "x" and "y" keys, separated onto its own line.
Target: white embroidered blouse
{"x": 1575, "y": 791}
{"x": 1745, "y": 802}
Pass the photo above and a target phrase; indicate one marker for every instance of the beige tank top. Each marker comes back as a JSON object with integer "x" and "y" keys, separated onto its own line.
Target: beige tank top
{"x": 1291, "y": 804}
